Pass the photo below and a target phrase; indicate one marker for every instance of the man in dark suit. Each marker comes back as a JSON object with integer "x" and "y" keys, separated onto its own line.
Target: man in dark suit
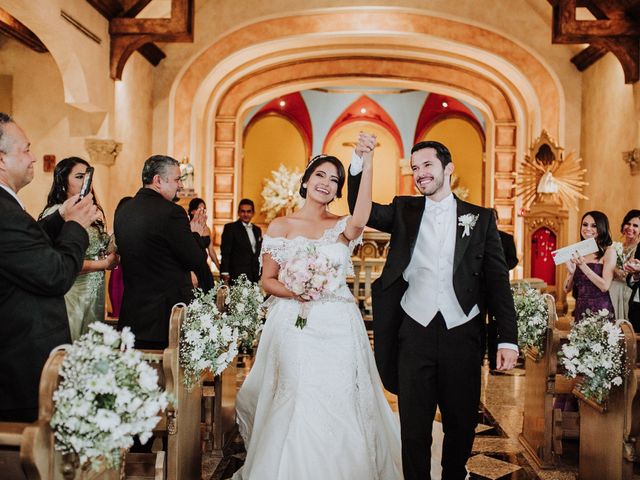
{"x": 240, "y": 245}
{"x": 511, "y": 258}
{"x": 39, "y": 262}
{"x": 158, "y": 249}
{"x": 632, "y": 267}
{"x": 445, "y": 263}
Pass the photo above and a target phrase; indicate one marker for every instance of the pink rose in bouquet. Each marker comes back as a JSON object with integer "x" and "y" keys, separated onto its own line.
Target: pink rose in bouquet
{"x": 312, "y": 275}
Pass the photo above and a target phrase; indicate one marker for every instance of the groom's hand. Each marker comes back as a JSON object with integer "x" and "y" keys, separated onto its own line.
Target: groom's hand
{"x": 506, "y": 359}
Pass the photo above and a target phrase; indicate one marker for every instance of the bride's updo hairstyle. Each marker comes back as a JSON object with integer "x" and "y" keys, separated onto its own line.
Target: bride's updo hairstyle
{"x": 313, "y": 164}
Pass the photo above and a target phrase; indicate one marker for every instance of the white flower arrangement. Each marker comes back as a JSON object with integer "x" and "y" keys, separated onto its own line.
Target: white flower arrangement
{"x": 281, "y": 193}
{"x": 595, "y": 352}
{"x": 108, "y": 395}
{"x": 532, "y": 316}
{"x": 468, "y": 221}
{"x": 207, "y": 341}
{"x": 244, "y": 310}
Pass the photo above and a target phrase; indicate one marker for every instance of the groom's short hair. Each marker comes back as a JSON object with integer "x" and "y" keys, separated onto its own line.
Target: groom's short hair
{"x": 442, "y": 152}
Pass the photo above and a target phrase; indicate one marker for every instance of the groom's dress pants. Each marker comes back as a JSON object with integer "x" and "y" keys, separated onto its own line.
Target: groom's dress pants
{"x": 438, "y": 367}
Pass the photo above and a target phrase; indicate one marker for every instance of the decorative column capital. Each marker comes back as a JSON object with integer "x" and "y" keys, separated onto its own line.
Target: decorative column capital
{"x": 632, "y": 158}
{"x": 102, "y": 152}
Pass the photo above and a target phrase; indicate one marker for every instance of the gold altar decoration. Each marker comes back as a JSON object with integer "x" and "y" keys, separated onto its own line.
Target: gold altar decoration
{"x": 546, "y": 175}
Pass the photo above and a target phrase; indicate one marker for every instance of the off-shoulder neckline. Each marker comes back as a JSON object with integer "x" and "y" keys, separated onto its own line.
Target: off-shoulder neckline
{"x": 322, "y": 237}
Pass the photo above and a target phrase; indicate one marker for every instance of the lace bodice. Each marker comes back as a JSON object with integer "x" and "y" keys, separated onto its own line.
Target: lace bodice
{"x": 283, "y": 249}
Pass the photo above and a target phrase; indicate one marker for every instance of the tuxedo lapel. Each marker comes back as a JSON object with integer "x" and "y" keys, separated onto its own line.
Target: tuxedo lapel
{"x": 412, "y": 219}
{"x": 461, "y": 242}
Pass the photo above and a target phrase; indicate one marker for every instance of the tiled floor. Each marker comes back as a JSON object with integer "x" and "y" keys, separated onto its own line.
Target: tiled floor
{"x": 497, "y": 453}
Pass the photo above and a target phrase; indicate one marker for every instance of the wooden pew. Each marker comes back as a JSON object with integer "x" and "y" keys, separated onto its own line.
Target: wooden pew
{"x": 181, "y": 422}
{"x": 219, "y": 398}
{"x": 27, "y": 449}
{"x": 608, "y": 435}
{"x": 542, "y": 426}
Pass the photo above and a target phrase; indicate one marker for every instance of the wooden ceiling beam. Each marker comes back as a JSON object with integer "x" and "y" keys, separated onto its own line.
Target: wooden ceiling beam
{"x": 131, "y": 34}
{"x": 108, "y": 8}
{"x": 12, "y": 27}
{"x": 133, "y": 7}
{"x": 616, "y": 29}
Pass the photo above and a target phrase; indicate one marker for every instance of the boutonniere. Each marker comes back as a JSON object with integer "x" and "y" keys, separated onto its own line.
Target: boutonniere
{"x": 468, "y": 221}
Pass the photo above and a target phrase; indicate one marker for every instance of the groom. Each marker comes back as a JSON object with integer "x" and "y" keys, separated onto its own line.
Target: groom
{"x": 444, "y": 267}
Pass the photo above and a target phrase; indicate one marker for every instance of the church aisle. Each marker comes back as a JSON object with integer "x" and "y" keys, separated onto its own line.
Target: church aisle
{"x": 497, "y": 453}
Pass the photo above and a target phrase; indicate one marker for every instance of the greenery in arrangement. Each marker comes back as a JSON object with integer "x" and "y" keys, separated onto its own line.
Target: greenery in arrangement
{"x": 211, "y": 338}
{"x": 108, "y": 395}
{"x": 207, "y": 342}
{"x": 596, "y": 353}
{"x": 532, "y": 316}
{"x": 244, "y": 310}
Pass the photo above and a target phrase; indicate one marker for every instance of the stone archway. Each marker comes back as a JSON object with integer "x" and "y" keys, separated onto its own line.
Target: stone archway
{"x": 516, "y": 93}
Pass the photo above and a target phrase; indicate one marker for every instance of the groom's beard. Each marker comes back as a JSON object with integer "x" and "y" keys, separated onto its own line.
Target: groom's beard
{"x": 434, "y": 186}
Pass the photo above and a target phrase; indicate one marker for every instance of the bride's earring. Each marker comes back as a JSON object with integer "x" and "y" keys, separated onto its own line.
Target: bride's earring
{"x": 304, "y": 185}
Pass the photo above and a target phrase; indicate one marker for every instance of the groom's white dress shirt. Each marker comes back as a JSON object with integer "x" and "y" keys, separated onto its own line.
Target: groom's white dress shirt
{"x": 430, "y": 270}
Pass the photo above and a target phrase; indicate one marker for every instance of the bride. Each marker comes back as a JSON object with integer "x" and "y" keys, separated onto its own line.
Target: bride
{"x": 313, "y": 406}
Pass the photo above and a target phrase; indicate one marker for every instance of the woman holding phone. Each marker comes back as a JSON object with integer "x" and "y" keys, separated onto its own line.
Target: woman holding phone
{"x": 85, "y": 301}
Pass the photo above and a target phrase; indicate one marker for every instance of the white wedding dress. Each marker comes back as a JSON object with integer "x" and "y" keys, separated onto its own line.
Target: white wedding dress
{"x": 313, "y": 407}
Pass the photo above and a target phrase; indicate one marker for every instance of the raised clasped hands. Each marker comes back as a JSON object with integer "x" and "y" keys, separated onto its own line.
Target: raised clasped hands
{"x": 365, "y": 145}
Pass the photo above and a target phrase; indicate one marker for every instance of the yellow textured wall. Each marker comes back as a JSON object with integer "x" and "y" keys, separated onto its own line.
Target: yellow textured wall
{"x": 269, "y": 142}
{"x": 465, "y": 145}
{"x": 39, "y": 108}
{"x": 385, "y": 166}
{"x": 133, "y": 127}
{"x": 609, "y": 127}
{"x": 55, "y": 128}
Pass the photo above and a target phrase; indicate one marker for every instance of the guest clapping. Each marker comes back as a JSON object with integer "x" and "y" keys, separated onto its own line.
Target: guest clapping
{"x": 197, "y": 208}
{"x": 85, "y": 300}
{"x": 590, "y": 277}
{"x": 620, "y": 292}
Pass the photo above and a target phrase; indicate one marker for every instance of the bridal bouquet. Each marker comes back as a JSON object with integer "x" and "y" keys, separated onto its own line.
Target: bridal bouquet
{"x": 312, "y": 275}
{"x": 208, "y": 341}
{"x": 532, "y": 317}
{"x": 595, "y": 352}
{"x": 108, "y": 394}
{"x": 244, "y": 310}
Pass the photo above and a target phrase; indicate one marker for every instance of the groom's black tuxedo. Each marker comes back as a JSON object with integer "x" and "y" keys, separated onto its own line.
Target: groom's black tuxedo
{"x": 435, "y": 365}
{"x": 480, "y": 273}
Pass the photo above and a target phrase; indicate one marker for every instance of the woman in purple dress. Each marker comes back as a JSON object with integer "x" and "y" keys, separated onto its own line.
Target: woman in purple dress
{"x": 589, "y": 277}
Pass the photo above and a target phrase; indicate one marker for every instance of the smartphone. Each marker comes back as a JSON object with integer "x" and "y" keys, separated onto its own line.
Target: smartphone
{"x": 86, "y": 184}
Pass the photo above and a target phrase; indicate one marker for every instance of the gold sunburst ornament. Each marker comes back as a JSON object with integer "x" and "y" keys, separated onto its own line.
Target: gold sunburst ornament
{"x": 546, "y": 175}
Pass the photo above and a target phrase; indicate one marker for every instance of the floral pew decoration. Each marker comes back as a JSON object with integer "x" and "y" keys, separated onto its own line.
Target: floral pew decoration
{"x": 108, "y": 394}
{"x": 596, "y": 353}
{"x": 211, "y": 338}
{"x": 532, "y": 317}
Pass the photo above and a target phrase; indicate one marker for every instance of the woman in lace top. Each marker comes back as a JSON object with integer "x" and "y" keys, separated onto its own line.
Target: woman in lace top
{"x": 85, "y": 301}
{"x": 590, "y": 277}
{"x": 313, "y": 406}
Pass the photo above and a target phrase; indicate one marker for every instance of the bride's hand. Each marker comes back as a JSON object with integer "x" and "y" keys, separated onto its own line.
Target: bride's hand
{"x": 301, "y": 298}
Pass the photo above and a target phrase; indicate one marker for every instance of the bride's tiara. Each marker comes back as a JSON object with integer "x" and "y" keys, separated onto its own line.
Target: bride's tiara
{"x": 315, "y": 159}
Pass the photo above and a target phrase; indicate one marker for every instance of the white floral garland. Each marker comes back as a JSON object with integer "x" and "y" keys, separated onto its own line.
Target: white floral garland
{"x": 532, "y": 316}
{"x": 595, "y": 351}
{"x": 108, "y": 395}
{"x": 245, "y": 311}
{"x": 281, "y": 193}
